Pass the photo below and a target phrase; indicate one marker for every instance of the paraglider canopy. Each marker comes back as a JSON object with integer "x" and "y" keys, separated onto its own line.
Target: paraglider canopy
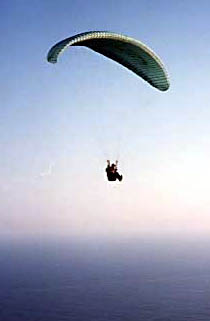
{"x": 127, "y": 51}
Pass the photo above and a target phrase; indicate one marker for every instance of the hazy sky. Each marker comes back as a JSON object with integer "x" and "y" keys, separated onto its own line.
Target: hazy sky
{"x": 59, "y": 123}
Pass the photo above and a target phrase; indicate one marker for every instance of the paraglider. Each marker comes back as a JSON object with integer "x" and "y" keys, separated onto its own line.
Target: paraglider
{"x": 127, "y": 51}
{"x": 112, "y": 172}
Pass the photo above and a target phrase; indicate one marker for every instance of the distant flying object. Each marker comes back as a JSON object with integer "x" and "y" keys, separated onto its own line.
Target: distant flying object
{"x": 127, "y": 51}
{"x": 48, "y": 172}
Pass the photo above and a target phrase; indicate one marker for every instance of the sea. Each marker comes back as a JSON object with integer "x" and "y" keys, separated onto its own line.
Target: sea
{"x": 105, "y": 279}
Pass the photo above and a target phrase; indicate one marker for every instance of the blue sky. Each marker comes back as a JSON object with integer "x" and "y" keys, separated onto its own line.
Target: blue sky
{"x": 59, "y": 123}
